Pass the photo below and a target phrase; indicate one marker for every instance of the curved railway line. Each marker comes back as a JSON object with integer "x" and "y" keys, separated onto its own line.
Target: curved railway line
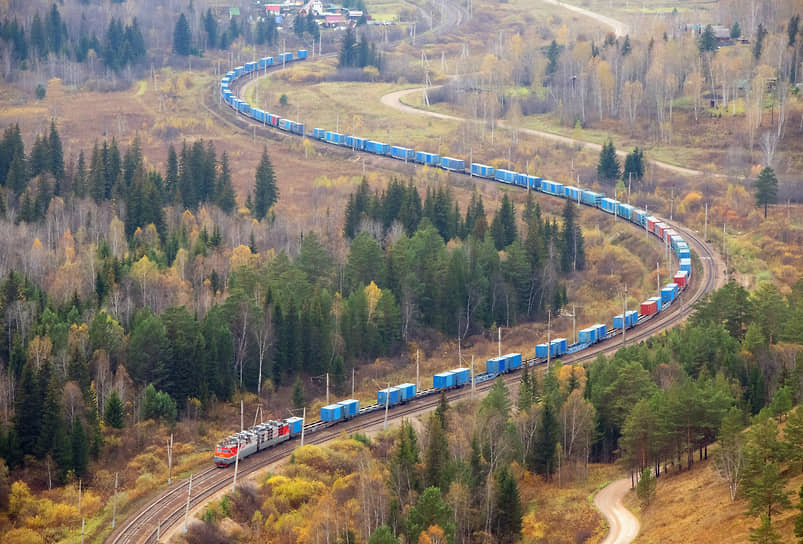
{"x": 168, "y": 509}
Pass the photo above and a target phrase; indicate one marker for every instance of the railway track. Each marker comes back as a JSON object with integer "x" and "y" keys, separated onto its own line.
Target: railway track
{"x": 168, "y": 509}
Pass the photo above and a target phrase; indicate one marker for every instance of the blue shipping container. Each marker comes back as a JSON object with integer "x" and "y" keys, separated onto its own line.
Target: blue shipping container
{"x": 505, "y": 176}
{"x": 608, "y": 205}
{"x": 295, "y": 424}
{"x": 658, "y": 303}
{"x": 497, "y": 365}
{"x": 513, "y": 360}
{"x": 302, "y": 54}
{"x": 407, "y": 391}
{"x": 422, "y": 157}
{"x": 624, "y": 210}
{"x": 674, "y": 287}
{"x": 630, "y": 319}
{"x": 461, "y": 376}
{"x": 684, "y": 254}
{"x": 448, "y": 163}
{"x": 402, "y": 153}
{"x": 534, "y": 182}
{"x": 558, "y": 346}
{"x": 590, "y": 197}
{"x": 250, "y": 66}
{"x": 333, "y": 412}
{"x": 667, "y": 295}
{"x": 318, "y": 133}
{"x": 391, "y": 396}
{"x": 602, "y": 330}
{"x": 540, "y": 350}
{"x": 443, "y": 380}
{"x": 685, "y": 265}
{"x": 377, "y": 147}
{"x": 589, "y": 335}
{"x": 572, "y": 193}
{"x": 483, "y": 170}
{"x": 351, "y": 407}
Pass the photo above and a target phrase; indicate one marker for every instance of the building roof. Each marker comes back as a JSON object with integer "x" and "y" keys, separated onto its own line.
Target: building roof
{"x": 335, "y": 19}
{"x": 272, "y": 7}
{"x": 234, "y": 11}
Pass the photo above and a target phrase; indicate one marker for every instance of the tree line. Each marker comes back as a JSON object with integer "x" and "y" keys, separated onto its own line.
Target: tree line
{"x": 193, "y": 176}
{"x": 470, "y": 287}
{"x": 122, "y": 45}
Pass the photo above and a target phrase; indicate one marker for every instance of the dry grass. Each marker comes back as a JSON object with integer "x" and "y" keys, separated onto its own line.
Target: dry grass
{"x": 694, "y": 506}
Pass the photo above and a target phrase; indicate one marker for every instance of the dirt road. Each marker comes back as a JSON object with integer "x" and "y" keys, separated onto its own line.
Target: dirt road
{"x": 619, "y": 28}
{"x": 623, "y": 527}
{"x": 394, "y": 100}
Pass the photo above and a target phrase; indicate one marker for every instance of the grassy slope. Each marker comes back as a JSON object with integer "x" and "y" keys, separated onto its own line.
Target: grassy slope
{"x": 695, "y": 506}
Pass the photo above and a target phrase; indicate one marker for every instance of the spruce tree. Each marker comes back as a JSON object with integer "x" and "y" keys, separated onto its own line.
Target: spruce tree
{"x": 298, "y": 393}
{"x": 56, "y": 163}
{"x": 546, "y": 439}
{"x": 224, "y": 192}
{"x": 80, "y": 449}
{"x": 210, "y": 26}
{"x": 17, "y": 179}
{"x": 634, "y": 165}
{"x": 113, "y": 414}
{"x": 508, "y": 523}
{"x": 608, "y": 168}
{"x": 182, "y": 37}
{"x": 766, "y": 189}
{"x": 265, "y": 191}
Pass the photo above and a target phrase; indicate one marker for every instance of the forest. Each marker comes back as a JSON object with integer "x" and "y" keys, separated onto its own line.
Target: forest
{"x": 462, "y": 476}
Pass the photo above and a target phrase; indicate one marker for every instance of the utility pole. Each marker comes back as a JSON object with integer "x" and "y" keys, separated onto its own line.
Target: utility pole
{"x": 473, "y": 383}
{"x": 303, "y": 423}
{"x": 574, "y": 326}
{"x": 236, "y": 466}
{"x": 352, "y": 381}
{"x": 242, "y": 427}
{"x": 387, "y": 404}
{"x": 629, "y": 185}
{"x": 187, "y": 508}
{"x": 672, "y": 204}
{"x": 470, "y": 162}
{"x": 658, "y": 276}
{"x": 79, "y": 495}
{"x": 114, "y": 505}
{"x": 417, "y": 375}
{"x": 548, "y": 338}
{"x": 327, "y": 389}
{"x": 646, "y": 222}
{"x": 624, "y": 316}
{"x": 705, "y": 227}
{"x": 170, "y": 460}
{"x": 499, "y": 341}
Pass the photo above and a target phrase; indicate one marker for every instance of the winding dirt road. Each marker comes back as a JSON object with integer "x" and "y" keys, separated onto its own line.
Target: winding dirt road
{"x": 394, "y": 100}
{"x": 623, "y": 526}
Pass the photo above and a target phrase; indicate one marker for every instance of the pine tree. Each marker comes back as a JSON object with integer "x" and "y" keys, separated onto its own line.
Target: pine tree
{"x": 608, "y": 168}
{"x": 80, "y": 449}
{"x": 171, "y": 176}
{"x": 210, "y": 26}
{"x": 508, "y": 523}
{"x": 56, "y": 165}
{"x": 51, "y": 417}
{"x": 708, "y": 40}
{"x": 736, "y": 30}
{"x": 113, "y": 414}
{"x": 224, "y": 193}
{"x": 17, "y": 180}
{"x": 298, "y": 394}
{"x": 758, "y": 46}
{"x": 626, "y": 48}
{"x": 634, "y": 165}
{"x": 181, "y": 37}
{"x": 799, "y": 517}
{"x": 552, "y": 55}
{"x": 436, "y": 456}
{"x": 348, "y": 56}
{"x": 766, "y": 189}
{"x": 546, "y": 439}
{"x": 298, "y": 25}
{"x": 265, "y": 191}
{"x": 27, "y": 413}
{"x": 646, "y": 486}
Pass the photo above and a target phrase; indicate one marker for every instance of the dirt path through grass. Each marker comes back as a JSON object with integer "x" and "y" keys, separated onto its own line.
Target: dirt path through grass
{"x": 394, "y": 100}
{"x": 619, "y": 28}
{"x": 623, "y": 526}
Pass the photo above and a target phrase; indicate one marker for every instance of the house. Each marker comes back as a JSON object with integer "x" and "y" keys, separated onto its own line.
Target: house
{"x": 273, "y": 9}
{"x": 333, "y": 21}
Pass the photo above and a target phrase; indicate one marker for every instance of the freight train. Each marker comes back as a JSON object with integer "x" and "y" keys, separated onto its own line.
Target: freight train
{"x": 266, "y": 435}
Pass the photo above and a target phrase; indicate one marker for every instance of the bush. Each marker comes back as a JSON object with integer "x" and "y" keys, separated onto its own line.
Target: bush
{"x": 158, "y": 405}
{"x": 40, "y": 91}
{"x": 283, "y": 99}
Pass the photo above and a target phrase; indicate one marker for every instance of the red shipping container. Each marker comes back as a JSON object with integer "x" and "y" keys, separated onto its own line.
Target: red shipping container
{"x": 648, "y": 307}
{"x": 660, "y": 228}
{"x": 680, "y": 279}
{"x": 651, "y": 224}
